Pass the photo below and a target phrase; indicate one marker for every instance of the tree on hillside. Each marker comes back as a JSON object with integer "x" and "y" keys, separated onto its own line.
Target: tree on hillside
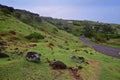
{"x": 88, "y": 31}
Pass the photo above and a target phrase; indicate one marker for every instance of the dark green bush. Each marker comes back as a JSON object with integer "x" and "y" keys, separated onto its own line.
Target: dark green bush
{"x": 100, "y": 37}
{"x": 35, "y": 36}
{"x": 6, "y": 10}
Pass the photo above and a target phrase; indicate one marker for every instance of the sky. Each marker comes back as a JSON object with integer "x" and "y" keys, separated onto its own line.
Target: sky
{"x": 107, "y": 11}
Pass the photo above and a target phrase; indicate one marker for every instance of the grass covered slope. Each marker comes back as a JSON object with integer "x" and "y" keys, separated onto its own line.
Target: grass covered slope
{"x": 96, "y": 31}
{"x": 64, "y": 46}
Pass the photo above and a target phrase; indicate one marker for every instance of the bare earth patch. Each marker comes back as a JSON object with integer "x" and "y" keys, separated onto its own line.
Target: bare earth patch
{"x": 96, "y": 68}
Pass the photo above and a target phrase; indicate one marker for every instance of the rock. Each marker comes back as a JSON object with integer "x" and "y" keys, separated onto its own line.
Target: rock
{"x": 3, "y": 55}
{"x": 58, "y": 65}
{"x": 16, "y": 48}
{"x": 33, "y": 56}
{"x": 78, "y": 58}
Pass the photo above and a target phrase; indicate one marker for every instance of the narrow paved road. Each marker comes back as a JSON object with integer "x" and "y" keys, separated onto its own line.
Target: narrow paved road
{"x": 103, "y": 49}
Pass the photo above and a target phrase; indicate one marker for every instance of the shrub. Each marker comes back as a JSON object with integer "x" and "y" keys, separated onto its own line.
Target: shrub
{"x": 99, "y": 37}
{"x": 55, "y": 30}
{"x": 6, "y": 10}
{"x": 35, "y": 36}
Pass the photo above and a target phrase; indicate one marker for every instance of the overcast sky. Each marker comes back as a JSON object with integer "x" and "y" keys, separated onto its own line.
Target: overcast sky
{"x": 107, "y": 11}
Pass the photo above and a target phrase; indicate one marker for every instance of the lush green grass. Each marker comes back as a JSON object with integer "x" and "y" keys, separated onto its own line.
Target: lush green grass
{"x": 19, "y": 68}
{"x": 100, "y": 67}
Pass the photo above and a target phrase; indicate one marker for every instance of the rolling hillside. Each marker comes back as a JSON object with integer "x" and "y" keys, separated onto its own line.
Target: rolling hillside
{"x": 82, "y": 61}
{"x": 102, "y": 33}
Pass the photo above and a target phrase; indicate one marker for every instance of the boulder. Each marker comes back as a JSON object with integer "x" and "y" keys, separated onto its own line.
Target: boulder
{"x": 3, "y": 55}
{"x": 33, "y": 57}
{"x": 58, "y": 65}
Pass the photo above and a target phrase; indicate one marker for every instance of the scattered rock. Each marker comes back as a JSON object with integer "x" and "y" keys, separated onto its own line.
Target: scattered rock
{"x": 80, "y": 67}
{"x": 67, "y": 49}
{"x": 78, "y": 59}
{"x": 20, "y": 53}
{"x": 16, "y": 49}
{"x": 3, "y": 55}
{"x": 58, "y": 65}
{"x": 33, "y": 56}
{"x": 85, "y": 51}
{"x": 77, "y": 50}
{"x": 91, "y": 53}
{"x": 3, "y": 34}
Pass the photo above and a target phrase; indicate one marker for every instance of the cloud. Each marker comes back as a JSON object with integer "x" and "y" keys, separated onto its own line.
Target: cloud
{"x": 104, "y": 14}
{"x": 98, "y": 10}
{"x": 53, "y": 11}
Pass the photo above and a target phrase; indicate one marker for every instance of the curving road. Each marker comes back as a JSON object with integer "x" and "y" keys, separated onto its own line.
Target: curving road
{"x": 102, "y": 49}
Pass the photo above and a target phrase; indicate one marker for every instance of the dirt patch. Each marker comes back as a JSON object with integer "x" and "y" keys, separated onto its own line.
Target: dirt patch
{"x": 50, "y": 46}
{"x": 111, "y": 68}
{"x": 12, "y": 38}
{"x": 57, "y": 74}
{"x": 96, "y": 68}
{"x": 95, "y": 64}
{"x": 46, "y": 32}
{"x": 12, "y": 32}
{"x": 28, "y": 37}
{"x": 74, "y": 72}
{"x": 3, "y": 34}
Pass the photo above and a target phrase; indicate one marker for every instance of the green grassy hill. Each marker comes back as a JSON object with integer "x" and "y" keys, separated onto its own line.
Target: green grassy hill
{"x": 14, "y": 31}
{"x": 103, "y": 33}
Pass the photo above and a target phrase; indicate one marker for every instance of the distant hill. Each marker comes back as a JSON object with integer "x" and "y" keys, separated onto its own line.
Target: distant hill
{"x": 72, "y": 26}
{"x": 104, "y": 33}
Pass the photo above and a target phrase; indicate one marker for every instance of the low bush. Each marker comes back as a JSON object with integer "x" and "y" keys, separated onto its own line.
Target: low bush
{"x": 35, "y": 36}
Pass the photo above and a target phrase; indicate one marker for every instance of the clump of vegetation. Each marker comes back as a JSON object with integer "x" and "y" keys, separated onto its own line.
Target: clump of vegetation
{"x": 27, "y": 17}
{"x": 100, "y": 33}
{"x": 6, "y": 10}
{"x": 35, "y": 36}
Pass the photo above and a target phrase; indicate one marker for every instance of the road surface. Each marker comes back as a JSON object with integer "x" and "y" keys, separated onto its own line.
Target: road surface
{"x": 102, "y": 49}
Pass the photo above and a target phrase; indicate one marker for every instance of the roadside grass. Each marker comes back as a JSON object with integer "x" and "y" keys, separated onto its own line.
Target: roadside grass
{"x": 113, "y": 43}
